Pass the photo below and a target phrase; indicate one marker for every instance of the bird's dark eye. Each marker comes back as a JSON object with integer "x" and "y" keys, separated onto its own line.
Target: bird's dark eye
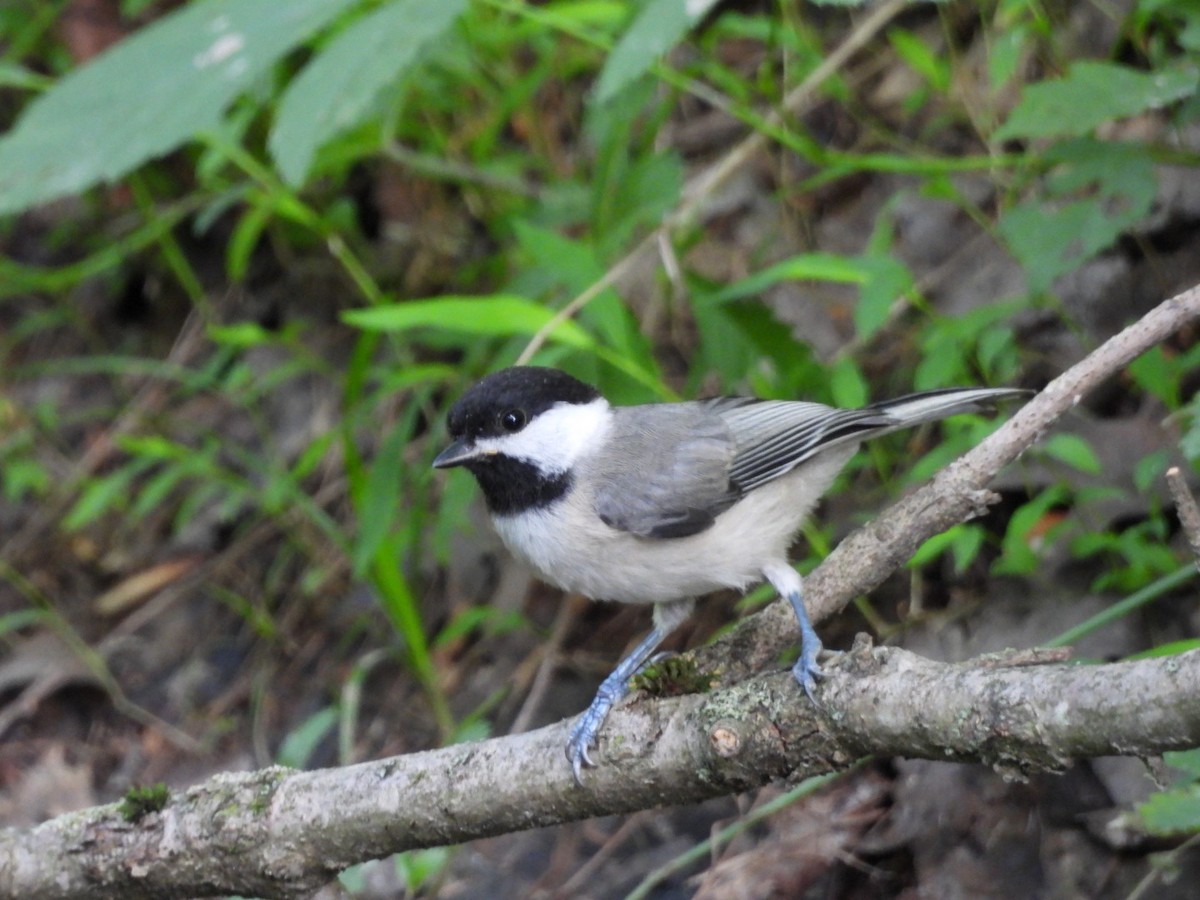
{"x": 513, "y": 419}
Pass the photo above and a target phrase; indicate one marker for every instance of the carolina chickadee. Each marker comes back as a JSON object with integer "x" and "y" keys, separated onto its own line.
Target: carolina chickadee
{"x": 665, "y": 502}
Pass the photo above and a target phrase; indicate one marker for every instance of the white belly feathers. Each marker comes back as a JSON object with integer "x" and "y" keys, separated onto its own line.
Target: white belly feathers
{"x": 606, "y": 564}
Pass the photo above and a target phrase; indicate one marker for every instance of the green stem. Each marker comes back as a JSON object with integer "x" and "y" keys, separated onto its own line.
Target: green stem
{"x": 1134, "y": 601}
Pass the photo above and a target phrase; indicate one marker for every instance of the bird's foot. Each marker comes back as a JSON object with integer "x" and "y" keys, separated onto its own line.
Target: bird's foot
{"x": 612, "y": 689}
{"x": 806, "y": 671}
{"x": 587, "y": 728}
{"x": 582, "y": 739}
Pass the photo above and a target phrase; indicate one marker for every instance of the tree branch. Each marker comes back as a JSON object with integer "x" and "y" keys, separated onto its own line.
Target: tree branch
{"x": 956, "y": 494}
{"x": 279, "y": 833}
{"x": 282, "y": 833}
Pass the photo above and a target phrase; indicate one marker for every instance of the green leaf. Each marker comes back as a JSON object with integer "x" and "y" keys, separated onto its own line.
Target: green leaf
{"x": 577, "y": 15}
{"x": 964, "y": 541}
{"x": 148, "y": 94}
{"x": 1006, "y": 49}
{"x": 1173, "y": 812}
{"x": 846, "y": 383}
{"x": 299, "y": 746}
{"x": 997, "y": 354}
{"x": 933, "y": 67}
{"x": 13, "y": 75}
{"x": 656, "y": 29}
{"x": 416, "y": 867}
{"x": 22, "y": 477}
{"x": 1053, "y": 234}
{"x": 21, "y": 618}
{"x": 805, "y": 267}
{"x": 1150, "y": 468}
{"x": 1189, "y": 444}
{"x": 1184, "y": 760}
{"x": 1154, "y": 372}
{"x": 337, "y": 90}
{"x": 102, "y": 495}
{"x": 887, "y": 279}
{"x": 1074, "y": 451}
{"x": 242, "y": 243}
{"x": 880, "y": 276}
{"x": 1026, "y": 530}
{"x": 495, "y": 316}
{"x": 1171, "y": 648}
{"x": 241, "y": 335}
{"x": 482, "y": 618}
{"x": 1091, "y": 94}
{"x": 380, "y": 500}
{"x": 559, "y": 261}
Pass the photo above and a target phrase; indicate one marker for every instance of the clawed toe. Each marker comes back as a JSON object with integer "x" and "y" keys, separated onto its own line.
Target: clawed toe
{"x": 807, "y": 673}
{"x": 582, "y": 739}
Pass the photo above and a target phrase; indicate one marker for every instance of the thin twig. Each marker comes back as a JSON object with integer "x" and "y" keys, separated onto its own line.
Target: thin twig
{"x": 568, "y": 610}
{"x": 1185, "y": 506}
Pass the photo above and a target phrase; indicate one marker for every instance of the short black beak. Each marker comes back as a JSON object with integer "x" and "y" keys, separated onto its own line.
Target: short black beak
{"x": 457, "y": 454}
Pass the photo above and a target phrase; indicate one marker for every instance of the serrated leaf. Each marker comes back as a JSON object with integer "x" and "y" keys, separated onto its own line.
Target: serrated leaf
{"x": 1053, "y": 235}
{"x": 657, "y": 28}
{"x": 497, "y": 316}
{"x": 338, "y": 88}
{"x": 148, "y": 94}
{"x": 1091, "y": 94}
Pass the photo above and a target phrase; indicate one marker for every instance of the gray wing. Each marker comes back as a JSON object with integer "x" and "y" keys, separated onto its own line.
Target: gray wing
{"x": 775, "y": 436}
{"x": 685, "y": 484}
{"x": 704, "y": 455}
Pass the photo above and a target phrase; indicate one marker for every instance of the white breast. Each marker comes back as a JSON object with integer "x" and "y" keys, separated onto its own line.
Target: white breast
{"x": 568, "y": 545}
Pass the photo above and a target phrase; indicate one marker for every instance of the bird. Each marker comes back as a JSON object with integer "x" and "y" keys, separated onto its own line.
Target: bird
{"x": 663, "y": 503}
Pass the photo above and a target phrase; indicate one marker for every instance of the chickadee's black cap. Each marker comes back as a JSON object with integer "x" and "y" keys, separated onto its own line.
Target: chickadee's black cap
{"x": 530, "y": 389}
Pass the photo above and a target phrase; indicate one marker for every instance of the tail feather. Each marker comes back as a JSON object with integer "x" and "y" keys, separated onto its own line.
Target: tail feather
{"x": 775, "y": 436}
{"x": 930, "y": 406}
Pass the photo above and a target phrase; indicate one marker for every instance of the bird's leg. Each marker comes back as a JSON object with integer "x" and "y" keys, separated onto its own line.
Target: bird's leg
{"x": 667, "y": 617}
{"x": 787, "y": 581}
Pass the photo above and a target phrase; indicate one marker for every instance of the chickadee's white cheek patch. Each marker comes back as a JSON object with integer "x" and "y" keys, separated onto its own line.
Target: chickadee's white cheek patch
{"x": 556, "y": 439}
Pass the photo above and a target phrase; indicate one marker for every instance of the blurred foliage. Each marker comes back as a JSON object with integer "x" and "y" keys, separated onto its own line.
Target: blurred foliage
{"x": 1175, "y": 810}
{"x": 249, "y": 125}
